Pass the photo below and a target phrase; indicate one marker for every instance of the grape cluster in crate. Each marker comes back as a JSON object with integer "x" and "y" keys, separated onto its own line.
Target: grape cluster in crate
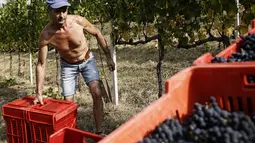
{"x": 207, "y": 124}
{"x": 247, "y": 52}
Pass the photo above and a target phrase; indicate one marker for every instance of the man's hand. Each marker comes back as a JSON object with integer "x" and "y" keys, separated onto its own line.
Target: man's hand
{"x": 38, "y": 98}
{"x": 110, "y": 64}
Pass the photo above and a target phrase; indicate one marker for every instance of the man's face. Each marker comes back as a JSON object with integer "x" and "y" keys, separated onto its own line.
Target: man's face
{"x": 58, "y": 15}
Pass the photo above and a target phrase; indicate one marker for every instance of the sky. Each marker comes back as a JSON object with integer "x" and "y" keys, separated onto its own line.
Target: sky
{"x": 2, "y": 1}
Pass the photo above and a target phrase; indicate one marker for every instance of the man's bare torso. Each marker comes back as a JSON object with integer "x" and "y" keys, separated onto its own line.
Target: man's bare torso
{"x": 69, "y": 41}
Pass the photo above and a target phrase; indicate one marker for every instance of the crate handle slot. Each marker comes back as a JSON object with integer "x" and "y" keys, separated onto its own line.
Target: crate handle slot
{"x": 45, "y": 102}
{"x": 249, "y": 81}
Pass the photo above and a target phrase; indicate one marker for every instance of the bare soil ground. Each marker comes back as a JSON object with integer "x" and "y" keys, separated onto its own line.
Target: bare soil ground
{"x": 137, "y": 81}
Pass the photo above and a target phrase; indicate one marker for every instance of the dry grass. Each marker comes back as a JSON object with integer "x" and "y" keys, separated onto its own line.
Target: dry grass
{"x": 137, "y": 82}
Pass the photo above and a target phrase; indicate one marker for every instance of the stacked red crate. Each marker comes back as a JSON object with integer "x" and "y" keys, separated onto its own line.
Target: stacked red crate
{"x": 51, "y": 117}
{"x": 28, "y": 123}
{"x": 14, "y": 114}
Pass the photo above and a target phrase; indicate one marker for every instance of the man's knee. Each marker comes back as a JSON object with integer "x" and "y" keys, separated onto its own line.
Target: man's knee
{"x": 94, "y": 84}
{"x": 95, "y": 89}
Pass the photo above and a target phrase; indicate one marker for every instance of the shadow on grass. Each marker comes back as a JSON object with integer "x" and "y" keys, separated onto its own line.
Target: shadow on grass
{"x": 86, "y": 122}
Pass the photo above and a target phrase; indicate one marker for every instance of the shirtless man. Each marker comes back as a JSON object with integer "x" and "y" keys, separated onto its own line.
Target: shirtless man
{"x": 65, "y": 33}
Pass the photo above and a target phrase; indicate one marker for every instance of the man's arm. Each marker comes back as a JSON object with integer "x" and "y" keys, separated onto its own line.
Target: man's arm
{"x": 91, "y": 29}
{"x": 40, "y": 68}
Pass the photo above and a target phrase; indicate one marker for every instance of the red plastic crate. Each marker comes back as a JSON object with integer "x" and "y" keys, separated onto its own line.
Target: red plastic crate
{"x": 194, "y": 84}
{"x": 54, "y": 115}
{"x": 14, "y": 114}
{"x": 71, "y": 135}
{"x": 226, "y": 53}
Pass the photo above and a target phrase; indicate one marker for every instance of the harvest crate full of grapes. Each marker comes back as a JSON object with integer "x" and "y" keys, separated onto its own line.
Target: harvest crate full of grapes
{"x": 207, "y": 104}
{"x": 242, "y": 50}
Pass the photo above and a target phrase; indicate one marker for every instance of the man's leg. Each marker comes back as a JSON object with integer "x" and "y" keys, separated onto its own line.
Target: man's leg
{"x": 90, "y": 74}
{"x": 95, "y": 91}
{"x": 68, "y": 79}
{"x": 69, "y": 98}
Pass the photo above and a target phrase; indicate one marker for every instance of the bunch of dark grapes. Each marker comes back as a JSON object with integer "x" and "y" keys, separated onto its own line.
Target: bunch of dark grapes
{"x": 208, "y": 123}
{"x": 247, "y": 53}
